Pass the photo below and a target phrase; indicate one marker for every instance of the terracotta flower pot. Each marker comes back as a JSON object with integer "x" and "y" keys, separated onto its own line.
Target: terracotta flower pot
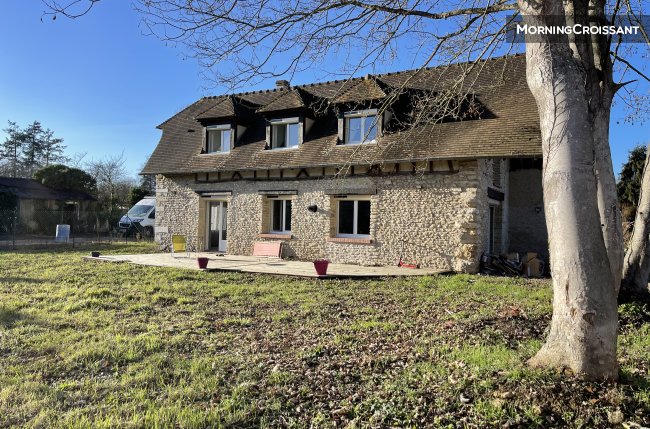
{"x": 321, "y": 266}
{"x": 203, "y": 263}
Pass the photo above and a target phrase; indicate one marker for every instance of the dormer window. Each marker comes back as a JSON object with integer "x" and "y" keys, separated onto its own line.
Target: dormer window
{"x": 285, "y": 133}
{"x": 218, "y": 139}
{"x": 361, "y": 126}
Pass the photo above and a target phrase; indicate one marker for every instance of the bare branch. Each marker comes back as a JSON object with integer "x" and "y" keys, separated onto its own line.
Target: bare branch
{"x": 627, "y": 63}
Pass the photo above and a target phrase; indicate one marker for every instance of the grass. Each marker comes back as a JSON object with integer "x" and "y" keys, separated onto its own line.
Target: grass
{"x": 90, "y": 345}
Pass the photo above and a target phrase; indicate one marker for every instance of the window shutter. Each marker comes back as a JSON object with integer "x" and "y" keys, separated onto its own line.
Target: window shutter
{"x": 380, "y": 124}
{"x": 385, "y": 120}
{"x": 233, "y": 131}
{"x": 496, "y": 172}
{"x": 205, "y": 140}
{"x": 301, "y": 130}
{"x": 341, "y": 135}
{"x": 268, "y": 135}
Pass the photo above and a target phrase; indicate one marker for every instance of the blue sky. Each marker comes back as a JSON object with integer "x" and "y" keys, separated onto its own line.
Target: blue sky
{"x": 103, "y": 86}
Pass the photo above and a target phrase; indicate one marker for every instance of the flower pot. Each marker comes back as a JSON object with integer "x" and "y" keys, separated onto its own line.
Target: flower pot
{"x": 94, "y": 254}
{"x": 203, "y": 263}
{"x": 321, "y": 266}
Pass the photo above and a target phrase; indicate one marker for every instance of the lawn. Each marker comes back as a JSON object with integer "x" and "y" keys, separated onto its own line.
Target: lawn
{"x": 86, "y": 344}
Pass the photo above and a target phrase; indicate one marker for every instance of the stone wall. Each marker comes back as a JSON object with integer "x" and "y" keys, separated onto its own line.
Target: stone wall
{"x": 435, "y": 219}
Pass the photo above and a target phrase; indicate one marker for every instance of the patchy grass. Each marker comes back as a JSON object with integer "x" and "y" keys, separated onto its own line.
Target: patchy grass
{"x": 116, "y": 345}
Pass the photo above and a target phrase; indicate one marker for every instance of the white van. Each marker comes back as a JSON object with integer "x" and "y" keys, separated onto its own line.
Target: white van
{"x": 140, "y": 218}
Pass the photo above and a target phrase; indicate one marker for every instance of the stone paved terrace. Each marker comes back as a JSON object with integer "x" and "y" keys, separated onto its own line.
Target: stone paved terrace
{"x": 253, "y": 264}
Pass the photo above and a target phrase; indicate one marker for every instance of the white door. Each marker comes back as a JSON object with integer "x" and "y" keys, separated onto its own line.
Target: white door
{"x": 217, "y": 226}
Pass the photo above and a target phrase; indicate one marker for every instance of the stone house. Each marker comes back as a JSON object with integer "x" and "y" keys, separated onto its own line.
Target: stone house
{"x": 349, "y": 171}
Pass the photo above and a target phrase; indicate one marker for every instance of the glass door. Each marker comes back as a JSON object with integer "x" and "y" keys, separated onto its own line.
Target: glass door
{"x": 218, "y": 226}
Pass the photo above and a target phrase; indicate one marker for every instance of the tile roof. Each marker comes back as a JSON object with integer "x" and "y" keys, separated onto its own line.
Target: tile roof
{"x": 223, "y": 107}
{"x": 511, "y": 129}
{"x": 360, "y": 90}
{"x": 287, "y": 100}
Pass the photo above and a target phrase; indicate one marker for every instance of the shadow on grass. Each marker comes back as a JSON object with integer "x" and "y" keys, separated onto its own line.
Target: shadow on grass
{"x": 9, "y": 317}
{"x": 638, "y": 381}
{"x": 633, "y": 309}
{"x": 12, "y": 280}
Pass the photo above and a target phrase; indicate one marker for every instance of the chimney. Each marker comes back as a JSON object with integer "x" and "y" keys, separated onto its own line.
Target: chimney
{"x": 282, "y": 84}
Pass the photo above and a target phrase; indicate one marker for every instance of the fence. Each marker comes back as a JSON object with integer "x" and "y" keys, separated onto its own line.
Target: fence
{"x": 39, "y": 228}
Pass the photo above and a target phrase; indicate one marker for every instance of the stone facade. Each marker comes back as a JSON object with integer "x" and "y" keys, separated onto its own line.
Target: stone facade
{"x": 428, "y": 218}
{"x": 438, "y": 219}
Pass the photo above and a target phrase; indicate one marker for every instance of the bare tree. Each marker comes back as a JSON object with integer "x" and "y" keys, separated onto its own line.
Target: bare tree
{"x": 636, "y": 269}
{"x": 77, "y": 159}
{"x": 113, "y": 185}
{"x": 570, "y": 76}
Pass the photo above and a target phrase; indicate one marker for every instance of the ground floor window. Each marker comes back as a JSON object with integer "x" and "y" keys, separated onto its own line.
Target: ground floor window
{"x": 281, "y": 216}
{"x": 353, "y": 218}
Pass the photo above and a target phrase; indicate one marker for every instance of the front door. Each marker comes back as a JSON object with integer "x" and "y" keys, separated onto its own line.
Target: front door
{"x": 217, "y": 226}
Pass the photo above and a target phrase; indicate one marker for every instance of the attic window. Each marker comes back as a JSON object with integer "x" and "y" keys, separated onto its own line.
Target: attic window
{"x": 361, "y": 126}
{"x": 218, "y": 139}
{"x": 285, "y": 133}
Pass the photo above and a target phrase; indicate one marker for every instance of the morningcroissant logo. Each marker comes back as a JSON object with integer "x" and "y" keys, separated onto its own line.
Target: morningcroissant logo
{"x": 555, "y": 29}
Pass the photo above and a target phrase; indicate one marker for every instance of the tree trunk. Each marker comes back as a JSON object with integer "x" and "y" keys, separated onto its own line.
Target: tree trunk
{"x": 608, "y": 205}
{"x": 584, "y": 325}
{"x": 636, "y": 269}
{"x": 600, "y": 93}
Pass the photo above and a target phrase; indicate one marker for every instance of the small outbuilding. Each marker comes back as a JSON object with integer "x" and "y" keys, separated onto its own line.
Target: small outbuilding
{"x": 39, "y": 208}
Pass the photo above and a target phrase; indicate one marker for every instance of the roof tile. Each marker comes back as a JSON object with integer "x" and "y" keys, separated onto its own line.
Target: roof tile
{"x": 512, "y": 130}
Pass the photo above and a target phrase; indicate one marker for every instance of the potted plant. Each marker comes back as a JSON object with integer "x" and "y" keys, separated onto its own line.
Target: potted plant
{"x": 321, "y": 266}
{"x": 203, "y": 262}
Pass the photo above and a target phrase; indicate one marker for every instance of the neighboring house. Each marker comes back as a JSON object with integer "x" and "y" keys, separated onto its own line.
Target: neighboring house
{"x": 40, "y": 208}
{"x": 323, "y": 168}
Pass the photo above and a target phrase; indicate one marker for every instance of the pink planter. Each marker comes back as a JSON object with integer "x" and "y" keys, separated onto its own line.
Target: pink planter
{"x": 321, "y": 266}
{"x": 203, "y": 263}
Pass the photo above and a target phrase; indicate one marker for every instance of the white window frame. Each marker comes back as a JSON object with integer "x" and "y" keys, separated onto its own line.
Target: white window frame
{"x": 364, "y": 115}
{"x": 221, "y": 129}
{"x": 355, "y": 217}
{"x": 284, "y": 217}
{"x": 284, "y": 121}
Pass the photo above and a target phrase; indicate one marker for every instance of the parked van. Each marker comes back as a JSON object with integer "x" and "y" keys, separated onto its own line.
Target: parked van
{"x": 140, "y": 218}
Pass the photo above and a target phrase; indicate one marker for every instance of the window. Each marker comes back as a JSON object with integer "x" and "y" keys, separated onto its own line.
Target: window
{"x": 281, "y": 216}
{"x": 353, "y": 218}
{"x": 218, "y": 139}
{"x": 361, "y": 127}
{"x": 285, "y": 133}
